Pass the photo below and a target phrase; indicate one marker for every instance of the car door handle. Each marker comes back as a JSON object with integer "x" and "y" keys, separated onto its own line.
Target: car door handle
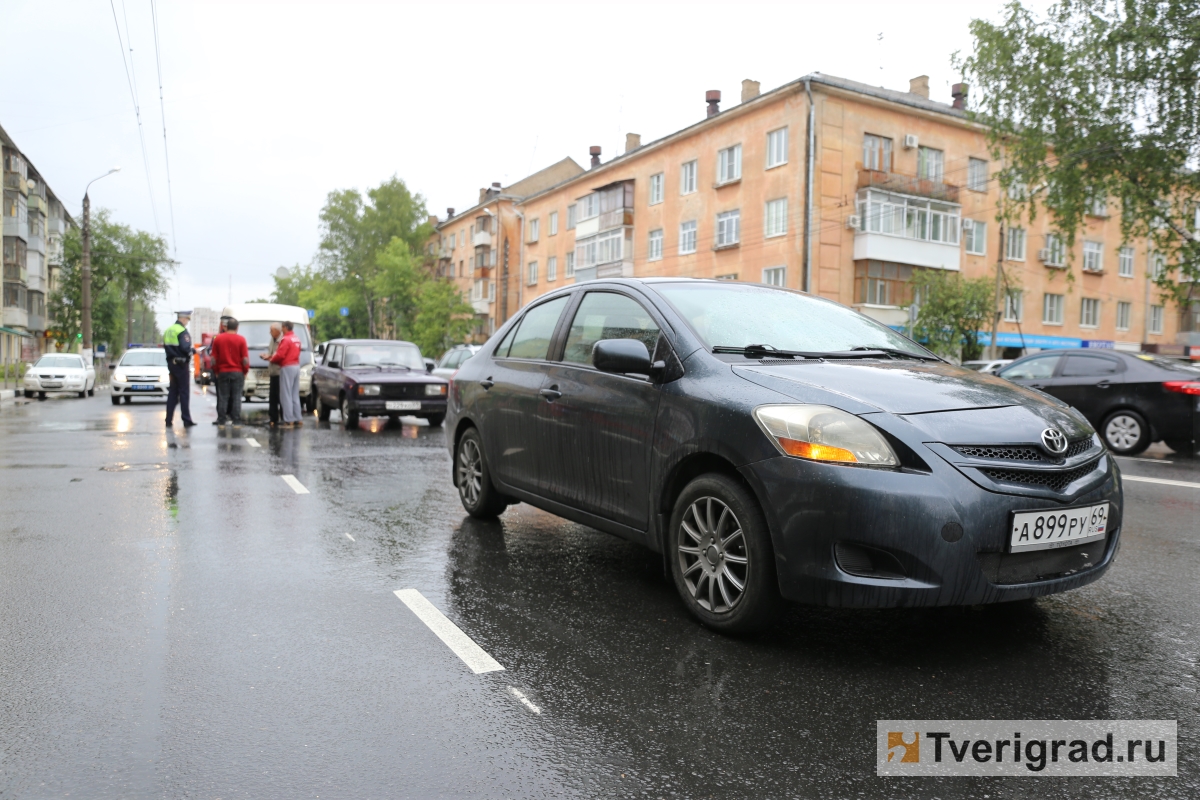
{"x": 487, "y": 383}
{"x": 551, "y": 394}
{"x": 1037, "y": 386}
{"x": 1103, "y": 385}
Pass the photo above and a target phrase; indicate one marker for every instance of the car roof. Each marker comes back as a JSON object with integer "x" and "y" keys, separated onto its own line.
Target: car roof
{"x": 369, "y": 341}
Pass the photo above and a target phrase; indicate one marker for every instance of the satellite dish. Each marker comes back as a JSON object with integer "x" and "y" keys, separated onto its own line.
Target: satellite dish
{"x": 283, "y": 273}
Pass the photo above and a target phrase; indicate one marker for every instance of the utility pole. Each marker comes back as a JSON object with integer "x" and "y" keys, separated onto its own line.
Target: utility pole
{"x": 85, "y": 321}
{"x": 997, "y": 307}
{"x": 504, "y": 287}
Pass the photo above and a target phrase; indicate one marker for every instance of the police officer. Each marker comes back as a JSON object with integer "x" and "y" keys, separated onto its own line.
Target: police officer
{"x": 178, "y": 344}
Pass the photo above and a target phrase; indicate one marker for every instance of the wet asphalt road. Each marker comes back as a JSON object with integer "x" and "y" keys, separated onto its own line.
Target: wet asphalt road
{"x": 176, "y": 621}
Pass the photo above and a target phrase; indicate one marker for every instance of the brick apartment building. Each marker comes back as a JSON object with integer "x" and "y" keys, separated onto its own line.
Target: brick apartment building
{"x": 844, "y": 190}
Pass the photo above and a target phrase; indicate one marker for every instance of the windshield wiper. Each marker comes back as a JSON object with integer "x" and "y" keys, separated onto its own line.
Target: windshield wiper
{"x": 893, "y": 351}
{"x": 765, "y": 351}
{"x": 394, "y": 364}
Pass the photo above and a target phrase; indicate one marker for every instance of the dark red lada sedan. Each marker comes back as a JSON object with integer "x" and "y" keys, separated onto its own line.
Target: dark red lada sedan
{"x": 376, "y": 378}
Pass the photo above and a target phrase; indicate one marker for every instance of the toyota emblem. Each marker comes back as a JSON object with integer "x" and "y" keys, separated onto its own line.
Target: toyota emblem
{"x": 1054, "y": 441}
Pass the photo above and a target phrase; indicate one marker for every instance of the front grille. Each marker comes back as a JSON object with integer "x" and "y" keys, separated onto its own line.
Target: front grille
{"x": 1055, "y": 481}
{"x": 1078, "y": 447}
{"x": 402, "y": 391}
{"x": 1021, "y": 452}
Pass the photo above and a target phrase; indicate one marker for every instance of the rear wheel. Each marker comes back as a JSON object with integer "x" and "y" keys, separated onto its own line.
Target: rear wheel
{"x": 721, "y": 556}
{"x": 322, "y": 409}
{"x": 1126, "y": 432}
{"x": 479, "y": 497}
{"x": 92, "y": 391}
{"x": 436, "y": 420}
{"x": 349, "y": 417}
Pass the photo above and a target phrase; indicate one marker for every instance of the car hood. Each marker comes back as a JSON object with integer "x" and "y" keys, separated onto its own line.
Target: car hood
{"x": 390, "y": 375}
{"x": 947, "y": 403}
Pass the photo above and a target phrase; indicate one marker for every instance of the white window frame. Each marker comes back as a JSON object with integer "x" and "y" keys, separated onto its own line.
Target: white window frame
{"x": 1158, "y": 265}
{"x": 1098, "y": 207}
{"x": 777, "y": 148}
{"x": 1093, "y": 256}
{"x": 926, "y": 159}
{"x": 654, "y": 245}
{"x": 571, "y": 214}
{"x": 551, "y": 268}
{"x": 775, "y": 217}
{"x": 877, "y": 152}
{"x": 687, "y": 237}
{"x": 1056, "y": 251}
{"x": 688, "y": 176}
{"x": 977, "y": 174}
{"x": 1014, "y": 305}
{"x": 1052, "y": 308}
{"x": 590, "y": 207}
{"x": 531, "y": 276}
{"x": 729, "y": 228}
{"x": 729, "y": 164}
{"x": 1124, "y": 314}
{"x": 1014, "y": 244}
{"x": 909, "y": 217}
{"x": 491, "y": 290}
{"x": 553, "y": 223}
{"x": 657, "y": 182}
{"x": 1156, "y": 320}
{"x": 570, "y": 270}
{"x": 1125, "y": 262}
{"x": 535, "y": 229}
{"x": 975, "y": 237}
{"x": 775, "y": 276}
{"x": 1089, "y": 312}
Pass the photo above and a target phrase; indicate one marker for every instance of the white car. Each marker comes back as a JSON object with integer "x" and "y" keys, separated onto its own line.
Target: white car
{"x": 990, "y": 367}
{"x": 141, "y": 372}
{"x": 453, "y": 358}
{"x": 60, "y": 372}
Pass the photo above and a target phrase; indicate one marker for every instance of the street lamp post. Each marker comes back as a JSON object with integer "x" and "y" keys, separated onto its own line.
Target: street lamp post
{"x": 85, "y": 322}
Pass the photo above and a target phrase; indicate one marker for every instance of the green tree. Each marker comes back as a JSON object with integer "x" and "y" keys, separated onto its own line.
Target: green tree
{"x": 952, "y": 312}
{"x": 442, "y": 319}
{"x": 1098, "y": 99}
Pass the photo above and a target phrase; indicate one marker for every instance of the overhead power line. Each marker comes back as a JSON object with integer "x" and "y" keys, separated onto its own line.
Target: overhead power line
{"x": 137, "y": 111}
{"x": 163, "y": 112}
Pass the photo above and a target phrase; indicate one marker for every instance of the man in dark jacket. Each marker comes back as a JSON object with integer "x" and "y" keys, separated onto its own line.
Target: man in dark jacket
{"x": 177, "y": 342}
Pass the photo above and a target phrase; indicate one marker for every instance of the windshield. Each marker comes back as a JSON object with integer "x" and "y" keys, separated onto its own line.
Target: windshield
{"x": 258, "y": 334}
{"x": 383, "y": 355}
{"x": 144, "y": 358}
{"x": 739, "y": 315}
{"x": 60, "y": 362}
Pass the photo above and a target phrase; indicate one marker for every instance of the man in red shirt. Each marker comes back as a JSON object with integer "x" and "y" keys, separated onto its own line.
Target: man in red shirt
{"x": 231, "y": 362}
{"x": 288, "y": 359}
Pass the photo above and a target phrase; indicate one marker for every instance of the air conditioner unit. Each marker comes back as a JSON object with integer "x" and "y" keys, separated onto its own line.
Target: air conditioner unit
{"x": 854, "y": 222}
{"x": 910, "y": 141}
{"x": 1044, "y": 255}
{"x": 968, "y": 224}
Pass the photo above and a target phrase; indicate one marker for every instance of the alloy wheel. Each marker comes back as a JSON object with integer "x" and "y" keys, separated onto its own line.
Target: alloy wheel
{"x": 470, "y": 471}
{"x": 1123, "y": 432}
{"x": 713, "y": 557}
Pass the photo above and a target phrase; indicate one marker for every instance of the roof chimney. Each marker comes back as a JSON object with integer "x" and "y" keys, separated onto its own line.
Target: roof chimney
{"x": 594, "y": 151}
{"x": 632, "y": 142}
{"x": 713, "y": 98}
{"x": 449, "y": 213}
{"x": 496, "y": 185}
{"x": 919, "y": 85}
{"x": 959, "y": 92}
{"x": 433, "y": 221}
{"x": 749, "y": 90}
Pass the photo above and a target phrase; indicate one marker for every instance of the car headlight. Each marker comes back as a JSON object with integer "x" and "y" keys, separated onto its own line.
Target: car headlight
{"x": 369, "y": 388}
{"x": 119, "y": 377}
{"x": 435, "y": 389}
{"x": 823, "y": 433}
{"x": 164, "y": 378}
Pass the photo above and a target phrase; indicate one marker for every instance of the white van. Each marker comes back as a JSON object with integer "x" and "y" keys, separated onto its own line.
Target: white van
{"x": 254, "y": 323}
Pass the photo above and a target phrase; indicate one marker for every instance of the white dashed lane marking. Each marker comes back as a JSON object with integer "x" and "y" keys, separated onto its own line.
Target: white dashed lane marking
{"x": 296, "y": 485}
{"x": 1163, "y": 481}
{"x": 472, "y": 654}
{"x": 525, "y": 701}
{"x": 252, "y": 442}
{"x": 348, "y": 536}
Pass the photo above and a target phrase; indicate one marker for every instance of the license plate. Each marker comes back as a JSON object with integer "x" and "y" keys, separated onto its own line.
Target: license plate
{"x": 403, "y": 405}
{"x": 49, "y": 385}
{"x": 142, "y": 387}
{"x": 1042, "y": 530}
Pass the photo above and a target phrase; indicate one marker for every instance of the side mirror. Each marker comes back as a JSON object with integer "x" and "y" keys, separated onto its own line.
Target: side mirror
{"x": 621, "y": 356}
{"x": 429, "y": 364}
{"x": 333, "y": 364}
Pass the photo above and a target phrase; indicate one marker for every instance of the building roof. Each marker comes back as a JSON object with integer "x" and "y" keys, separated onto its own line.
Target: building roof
{"x": 553, "y": 175}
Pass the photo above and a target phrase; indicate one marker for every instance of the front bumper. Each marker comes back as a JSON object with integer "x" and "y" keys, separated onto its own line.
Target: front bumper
{"x": 811, "y": 508}
{"x": 159, "y": 390}
{"x": 377, "y": 407}
{"x": 65, "y": 385}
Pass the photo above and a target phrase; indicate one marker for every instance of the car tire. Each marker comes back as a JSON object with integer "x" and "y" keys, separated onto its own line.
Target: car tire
{"x": 436, "y": 420}
{"x": 393, "y": 419}
{"x": 92, "y": 391}
{"x": 83, "y": 393}
{"x": 349, "y": 418}
{"x": 322, "y": 409}
{"x": 116, "y": 400}
{"x": 1126, "y": 432}
{"x": 479, "y": 497}
{"x": 41, "y": 395}
{"x": 719, "y": 539}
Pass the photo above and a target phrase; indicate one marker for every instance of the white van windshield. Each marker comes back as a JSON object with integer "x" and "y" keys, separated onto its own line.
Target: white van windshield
{"x": 258, "y": 335}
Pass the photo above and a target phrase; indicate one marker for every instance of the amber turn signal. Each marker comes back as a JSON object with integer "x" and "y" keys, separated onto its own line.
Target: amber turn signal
{"x": 816, "y": 452}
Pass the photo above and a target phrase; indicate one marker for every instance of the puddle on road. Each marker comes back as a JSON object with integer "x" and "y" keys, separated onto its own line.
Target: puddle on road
{"x": 121, "y": 467}
{"x": 33, "y": 466}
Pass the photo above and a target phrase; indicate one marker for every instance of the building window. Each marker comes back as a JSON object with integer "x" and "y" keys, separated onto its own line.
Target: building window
{"x": 590, "y": 206}
{"x": 532, "y": 277}
{"x": 1093, "y": 257}
{"x": 877, "y": 153}
{"x": 975, "y": 236}
{"x": 553, "y": 223}
{"x": 882, "y": 283}
{"x": 929, "y": 164}
{"x": 535, "y": 226}
{"x": 571, "y": 217}
{"x": 908, "y": 217}
{"x": 656, "y": 189}
{"x": 1018, "y": 190}
{"x": 1052, "y": 309}
{"x": 774, "y": 276}
{"x": 1124, "y": 311}
{"x": 603, "y": 248}
{"x": 777, "y": 142}
{"x": 570, "y": 264}
{"x": 1158, "y": 264}
{"x": 977, "y": 174}
{"x": 552, "y": 268}
{"x": 729, "y": 164}
{"x": 1125, "y": 262}
{"x": 729, "y": 228}
{"x": 655, "y": 250}
{"x": 1054, "y": 254}
{"x": 776, "y": 218}
{"x": 687, "y": 237}
{"x": 1156, "y": 319}
{"x": 1098, "y": 207}
{"x": 1013, "y": 307}
{"x": 453, "y": 240}
{"x": 1014, "y": 249}
{"x": 687, "y": 178}
{"x": 1089, "y": 312}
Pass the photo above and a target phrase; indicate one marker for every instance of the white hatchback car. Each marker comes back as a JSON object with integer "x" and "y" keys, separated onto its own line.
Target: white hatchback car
{"x": 60, "y": 372}
{"x": 141, "y": 372}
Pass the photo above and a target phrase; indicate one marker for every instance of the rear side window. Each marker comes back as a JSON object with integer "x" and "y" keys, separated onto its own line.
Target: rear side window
{"x": 533, "y": 335}
{"x": 607, "y": 315}
{"x": 1083, "y": 366}
{"x": 1033, "y": 369}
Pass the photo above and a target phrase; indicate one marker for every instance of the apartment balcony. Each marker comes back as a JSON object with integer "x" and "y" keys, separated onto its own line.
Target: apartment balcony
{"x": 907, "y": 184}
{"x": 906, "y": 229}
{"x": 36, "y": 283}
{"x": 482, "y": 239}
{"x": 36, "y": 322}
{"x": 480, "y": 306}
{"x": 15, "y": 317}
{"x": 16, "y": 182}
{"x": 36, "y": 244}
{"x": 56, "y": 226}
{"x": 37, "y": 201}
{"x": 16, "y": 226}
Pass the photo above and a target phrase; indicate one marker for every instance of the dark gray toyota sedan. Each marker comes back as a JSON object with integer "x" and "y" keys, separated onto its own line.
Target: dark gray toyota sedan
{"x": 773, "y": 444}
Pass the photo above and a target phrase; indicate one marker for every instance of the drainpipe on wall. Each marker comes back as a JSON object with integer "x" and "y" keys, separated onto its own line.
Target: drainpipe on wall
{"x": 520, "y": 263}
{"x": 808, "y": 188}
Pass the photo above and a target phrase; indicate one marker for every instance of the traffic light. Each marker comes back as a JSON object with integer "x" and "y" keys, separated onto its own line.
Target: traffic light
{"x": 79, "y": 336}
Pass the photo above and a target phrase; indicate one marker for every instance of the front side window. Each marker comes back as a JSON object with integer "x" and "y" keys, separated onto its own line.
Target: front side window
{"x": 687, "y": 237}
{"x": 1089, "y": 312}
{"x": 1125, "y": 262}
{"x": 533, "y": 335}
{"x": 1052, "y": 309}
{"x": 929, "y": 164}
{"x": 1013, "y": 306}
{"x": 607, "y": 315}
{"x": 877, "y": 153}
{"x": 552, "y": 268}
{"x": 729, "y": 228}
{"x": 687, "y": 178}
{"x": 777, "y": 145}
{"x": 656, "y": 189}
{"x": 1124, "y": 310}
{"x": 654, "y": 250}
{"x": 1087, "y": 366}
{"x": 729, "y": 164}
{"x": 1014, "y": 247}
{"x": 532, "y": 273}
{"x": 776, "y": 218}
{"x": 975, "y": 236}
{"x": 977, "y": 174}
{"x": 1036, "y": 368}
{"x": 774, "y": 276}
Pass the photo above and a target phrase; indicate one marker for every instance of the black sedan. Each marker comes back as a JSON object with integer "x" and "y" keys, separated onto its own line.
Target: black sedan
{"x": 376, "y": 378}
{"x": 1133, "y": 399}
{"x": 769, "y": 443}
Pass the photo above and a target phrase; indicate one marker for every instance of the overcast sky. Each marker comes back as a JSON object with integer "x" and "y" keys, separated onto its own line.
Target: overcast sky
{"x": 269, "y": 106}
